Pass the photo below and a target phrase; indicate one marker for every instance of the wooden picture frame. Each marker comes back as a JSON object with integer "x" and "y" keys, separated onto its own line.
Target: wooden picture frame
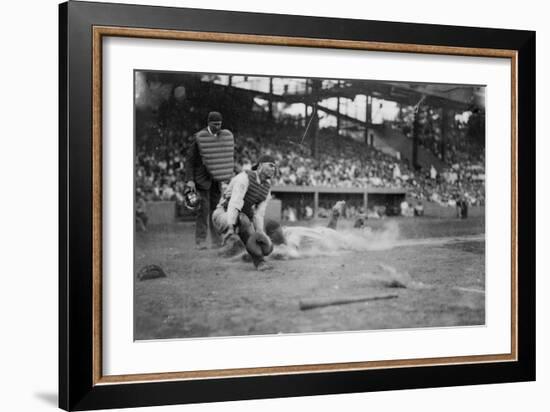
{"x": 82, "y": 384}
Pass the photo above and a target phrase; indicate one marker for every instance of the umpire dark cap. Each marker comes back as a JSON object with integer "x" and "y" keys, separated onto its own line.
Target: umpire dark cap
{"x": 214, "y": 117}
{"x": 264, "y": 159}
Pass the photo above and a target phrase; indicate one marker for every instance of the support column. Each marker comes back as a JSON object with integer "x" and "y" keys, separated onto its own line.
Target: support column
{"x": 338, "y": 116}
{"x": 415, "y": 137}
{"x": 271, "y": 99}
{"x": 368, "y": 118}
{"x": 315, "y": 204}
{"x": 315, "y": 89}
{"x": 338, "y": 111}
{"x": 416, "y": 133}
{"x": 444, "y": 130}
{"x": 369, "y": 112}
{"x": 306, "y": 117}
{"x": 314, "y": 133}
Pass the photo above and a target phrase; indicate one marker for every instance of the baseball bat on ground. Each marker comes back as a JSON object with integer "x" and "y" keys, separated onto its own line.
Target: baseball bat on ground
{"x": 307, "y": 304}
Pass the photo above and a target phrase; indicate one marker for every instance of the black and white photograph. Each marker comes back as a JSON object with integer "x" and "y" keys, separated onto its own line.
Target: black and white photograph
{"x": 268, "y": 204}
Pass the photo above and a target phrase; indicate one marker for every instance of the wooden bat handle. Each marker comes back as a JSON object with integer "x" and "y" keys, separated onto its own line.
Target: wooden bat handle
{"x": 307, "y": 304}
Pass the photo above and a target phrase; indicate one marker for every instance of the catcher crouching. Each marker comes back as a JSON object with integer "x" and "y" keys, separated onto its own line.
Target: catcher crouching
{"x": 239, "y": 216}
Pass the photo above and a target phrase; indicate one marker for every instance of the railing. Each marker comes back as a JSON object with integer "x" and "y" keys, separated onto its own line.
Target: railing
{"x": 317, "y": 195}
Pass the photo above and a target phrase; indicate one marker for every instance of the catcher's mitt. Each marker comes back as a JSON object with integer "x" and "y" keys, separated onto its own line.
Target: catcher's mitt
{"x": 259, "y": 245}
{"x": 191, "y": 199}
{"x": 151, "y": 272}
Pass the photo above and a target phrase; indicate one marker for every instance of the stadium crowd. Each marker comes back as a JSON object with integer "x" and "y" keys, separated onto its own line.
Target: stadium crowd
{"x": 343, "y": 163}
{"x": 160, "y": 173}
{"x": 347, "y": 163}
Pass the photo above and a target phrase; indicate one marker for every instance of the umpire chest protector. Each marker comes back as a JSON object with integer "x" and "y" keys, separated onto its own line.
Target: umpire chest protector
{"x": 256, "y": 193}
{"x": 217, "y": 153}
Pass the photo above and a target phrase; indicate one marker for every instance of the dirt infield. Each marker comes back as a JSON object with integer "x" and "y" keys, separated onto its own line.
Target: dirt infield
{"x": 433, "y": 269}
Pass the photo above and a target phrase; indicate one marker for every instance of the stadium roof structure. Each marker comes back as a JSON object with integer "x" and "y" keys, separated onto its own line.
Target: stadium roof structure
{"x": 458, "y": 97}
{"x": 325, "y": 95}
{"x": 316, "y": 92}
{"x": 450, "y": 96}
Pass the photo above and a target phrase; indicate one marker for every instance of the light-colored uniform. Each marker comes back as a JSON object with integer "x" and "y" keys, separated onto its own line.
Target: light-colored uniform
{"x": 232, "y": 203}
{"x": 301, "y": 241}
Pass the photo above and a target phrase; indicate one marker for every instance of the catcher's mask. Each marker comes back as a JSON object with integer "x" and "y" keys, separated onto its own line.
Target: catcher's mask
{"x": 191, "y": 200}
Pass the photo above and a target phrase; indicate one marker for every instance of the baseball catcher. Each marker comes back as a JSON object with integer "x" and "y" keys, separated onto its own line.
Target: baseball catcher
{"x": 239, "y": 216}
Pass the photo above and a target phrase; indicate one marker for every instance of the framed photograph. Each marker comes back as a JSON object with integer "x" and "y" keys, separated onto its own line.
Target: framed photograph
{"x": 256, "y": 205}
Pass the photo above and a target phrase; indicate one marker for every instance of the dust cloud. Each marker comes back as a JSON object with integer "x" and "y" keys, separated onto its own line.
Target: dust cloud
{"x": 323, "y": 241}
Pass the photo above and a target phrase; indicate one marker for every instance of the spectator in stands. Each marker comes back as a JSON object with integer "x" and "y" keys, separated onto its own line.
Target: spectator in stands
{"x": 246, "y": 164}
{"x": 396, "y": 172}
{"x": 342, "y": 162}
{"x": 433, "y": 172}
{"x": 167, "y": 192}
{"x": 141, "y": 211}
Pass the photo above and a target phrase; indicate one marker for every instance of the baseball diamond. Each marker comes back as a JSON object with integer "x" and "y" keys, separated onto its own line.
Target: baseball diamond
{"x": 274, "y": 205}
{"x": 436, "y": 270}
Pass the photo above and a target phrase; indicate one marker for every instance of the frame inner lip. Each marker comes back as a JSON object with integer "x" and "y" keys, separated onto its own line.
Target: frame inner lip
{"x": 100, "y": 31}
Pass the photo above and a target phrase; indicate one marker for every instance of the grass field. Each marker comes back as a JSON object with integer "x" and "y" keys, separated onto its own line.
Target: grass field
{"x": 434, "y": 269}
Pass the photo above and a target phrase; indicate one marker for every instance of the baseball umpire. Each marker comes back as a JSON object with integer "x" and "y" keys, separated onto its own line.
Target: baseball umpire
{"x": 210, "y": 161}
{"x": 240, "y": 213}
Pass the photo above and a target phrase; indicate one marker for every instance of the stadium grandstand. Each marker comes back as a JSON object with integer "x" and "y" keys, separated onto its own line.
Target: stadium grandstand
{"x": 375, "y": 144}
